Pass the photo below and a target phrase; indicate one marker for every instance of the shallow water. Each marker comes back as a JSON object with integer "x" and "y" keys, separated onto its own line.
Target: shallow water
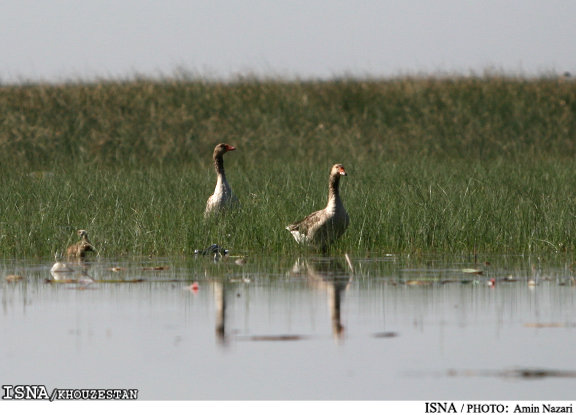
{"x": 385, "y": 328}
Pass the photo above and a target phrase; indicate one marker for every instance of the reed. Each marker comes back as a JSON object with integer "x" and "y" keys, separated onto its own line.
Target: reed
{"x": 435, "y": 165}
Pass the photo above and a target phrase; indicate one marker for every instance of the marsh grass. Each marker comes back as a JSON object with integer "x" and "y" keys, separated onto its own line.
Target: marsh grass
{"x": 450, "y": 166}
{"x": 449, "y": 207}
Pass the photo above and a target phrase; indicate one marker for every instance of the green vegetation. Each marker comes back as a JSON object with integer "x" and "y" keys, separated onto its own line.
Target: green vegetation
{"x": 435, "y": 165}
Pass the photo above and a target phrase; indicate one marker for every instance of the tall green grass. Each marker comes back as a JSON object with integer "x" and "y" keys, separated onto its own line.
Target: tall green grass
{"x": 426, "y": 206}
{"x": 435, "y": 165}
{"x": 176, "y": 121}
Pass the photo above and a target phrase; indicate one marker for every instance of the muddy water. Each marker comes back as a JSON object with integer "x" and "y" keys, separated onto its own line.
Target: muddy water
{"x": 385, "y": 328}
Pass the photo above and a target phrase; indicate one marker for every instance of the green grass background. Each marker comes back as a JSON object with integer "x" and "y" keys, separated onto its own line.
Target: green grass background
{"x": 445, "y": 165}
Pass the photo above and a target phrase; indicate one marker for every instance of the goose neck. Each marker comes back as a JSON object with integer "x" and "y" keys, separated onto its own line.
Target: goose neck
{"x": 219, "y": 165}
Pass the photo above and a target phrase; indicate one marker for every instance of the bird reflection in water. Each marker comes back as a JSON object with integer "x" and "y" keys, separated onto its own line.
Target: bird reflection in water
{"x": 322, "y": 274}
{"x": 330, "y": 275}
{"x": 68, "y": 271}
{"x": 220, "y": 301}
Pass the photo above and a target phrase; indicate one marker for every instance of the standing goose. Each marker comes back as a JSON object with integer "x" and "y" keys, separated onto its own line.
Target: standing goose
{"x": 79, "y": 249}
{"x": 222, "y": 198}
{"x": 321, "y": 228}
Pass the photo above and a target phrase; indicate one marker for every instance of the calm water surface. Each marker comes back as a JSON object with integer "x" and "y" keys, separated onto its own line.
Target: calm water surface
{"x": 388, "y": 328}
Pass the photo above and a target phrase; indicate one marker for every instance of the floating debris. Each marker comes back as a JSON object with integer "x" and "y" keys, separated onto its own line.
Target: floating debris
{"x": 13, "y": 278}
{"x": 194, "y": 287}
{"x": 282, "y": 337}
{"x": 159, "y": 268}
{"x": 80, "y": 287}
{"x": 61, "y": 280}
{"x": 418, "y": 282}
{"x": 472, "y": 271}
{"x": 246, "y": 280}
{"x": 451, "y": 281}
{"x": 116, "y": 269}
{"x": 385, "y": 335}
{"x": 85, "y": 281}
{"x": 549, "y": 325}
{"x": 525, "y": 373}
{"x": 122, "y": 281}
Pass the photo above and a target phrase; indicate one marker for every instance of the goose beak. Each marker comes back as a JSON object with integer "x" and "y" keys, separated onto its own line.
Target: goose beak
{"x": 230, "y": 148}
{"x": 343, "y": 172}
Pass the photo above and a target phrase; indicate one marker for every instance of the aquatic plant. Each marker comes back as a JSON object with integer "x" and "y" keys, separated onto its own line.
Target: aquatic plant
{"x": 435, "y": 165}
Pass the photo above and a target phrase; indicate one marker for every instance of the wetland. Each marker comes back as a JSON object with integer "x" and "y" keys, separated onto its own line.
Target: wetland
{"x": 382, "y": 328}
{"x": 454, "y": 279}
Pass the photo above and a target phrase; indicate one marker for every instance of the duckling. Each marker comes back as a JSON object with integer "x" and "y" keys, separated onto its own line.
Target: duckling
{"x": 79, "y": 249}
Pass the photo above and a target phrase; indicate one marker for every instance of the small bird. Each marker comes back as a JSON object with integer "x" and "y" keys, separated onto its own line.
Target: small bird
{"x": 222, "y": 198}
{"x": 323, "y": 227}
{"x": 211, "y": 250}
{"x": 79, "y": 249}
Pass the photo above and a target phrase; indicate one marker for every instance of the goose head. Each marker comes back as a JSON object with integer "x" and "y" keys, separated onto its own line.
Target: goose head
{"x": 222, "y": 148}
{"x": 338, "y": 170}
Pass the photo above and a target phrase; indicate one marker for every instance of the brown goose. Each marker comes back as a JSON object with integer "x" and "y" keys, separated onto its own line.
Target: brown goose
{"x": 321, "y": 228}
{"x": 79, "y": 249}
{"x": 222, "y": 198}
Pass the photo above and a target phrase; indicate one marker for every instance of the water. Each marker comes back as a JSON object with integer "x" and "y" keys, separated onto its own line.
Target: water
{"x": 295, "y": 328}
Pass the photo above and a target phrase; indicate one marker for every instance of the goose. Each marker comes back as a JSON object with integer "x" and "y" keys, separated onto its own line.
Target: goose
{"x": 222, "y": 198}
{"x": 319, "y": 229}
{"x": 79, "y": 249}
